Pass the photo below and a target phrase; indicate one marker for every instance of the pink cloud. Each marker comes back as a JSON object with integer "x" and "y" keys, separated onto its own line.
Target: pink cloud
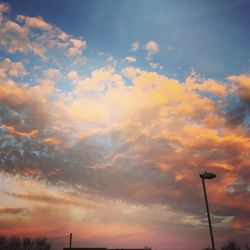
{"x": 35, "y": 22}
{"x": 78, "y": 46}
{"x": 152, "y": 48}
{"x": 73, "y": 75}
{"x": 4, "y": 7}
{"x": 12, "y": 69}
{"x": 15, "y": 27}
{"x": 131, "y": 72}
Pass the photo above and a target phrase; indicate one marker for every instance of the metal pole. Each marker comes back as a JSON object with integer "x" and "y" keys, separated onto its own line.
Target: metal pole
{"x": 70, "y": 240}
{"x": 208, "y": 214}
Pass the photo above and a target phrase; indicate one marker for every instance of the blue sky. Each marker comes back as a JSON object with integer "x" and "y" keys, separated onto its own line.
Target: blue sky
{"x": 210, "y": 36}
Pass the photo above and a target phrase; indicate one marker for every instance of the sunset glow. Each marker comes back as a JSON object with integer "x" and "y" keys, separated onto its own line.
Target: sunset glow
{"x": 110, "y": 110}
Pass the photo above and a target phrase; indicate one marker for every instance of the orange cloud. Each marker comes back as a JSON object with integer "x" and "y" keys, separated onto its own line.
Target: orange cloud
{"x": 222, "y": 165}
{"x": 243, "y": 84}
{"x": 51, "y": 140}
{"x": 12, "y": 131}
{"x": 211, "y": 86}
{"x": 12, "y": 210}
{"x": 240, "y": 223}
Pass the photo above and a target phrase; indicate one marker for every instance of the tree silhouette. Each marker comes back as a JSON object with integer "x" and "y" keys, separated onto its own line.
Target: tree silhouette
{"x": 15, "y": 243}
{"x": 247, "y": 247}
{"x": 42, "y": 244}
{"x": 27, "y": 243}
{"x": 3, "y": 242}
{"x": 231, "y": 245}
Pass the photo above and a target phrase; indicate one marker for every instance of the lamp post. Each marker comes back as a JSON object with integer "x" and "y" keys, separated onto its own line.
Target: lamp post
{"x": 70, "y": 240}
{"x": 204, "y": 176}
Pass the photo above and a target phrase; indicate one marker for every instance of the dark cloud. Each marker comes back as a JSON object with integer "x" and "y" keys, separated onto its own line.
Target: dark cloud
{"x": 237, "y": 114}
{"x": 238, "y": 109}
{"x": 116, "y": 171}
{"x": 33, "y": 116}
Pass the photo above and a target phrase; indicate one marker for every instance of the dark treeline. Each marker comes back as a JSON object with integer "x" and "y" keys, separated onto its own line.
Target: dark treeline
{"x": 232, "y": 245}
{"x": 25, "y": 243}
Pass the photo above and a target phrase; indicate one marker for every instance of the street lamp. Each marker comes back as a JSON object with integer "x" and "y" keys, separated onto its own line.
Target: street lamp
{"x": 204, "y": 176}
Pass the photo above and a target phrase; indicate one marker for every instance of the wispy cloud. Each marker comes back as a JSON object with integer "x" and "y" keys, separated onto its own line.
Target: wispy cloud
{"x": 130, "y": 59}
{"x": 12, "y": 210}
{"x": 135, "y": 46}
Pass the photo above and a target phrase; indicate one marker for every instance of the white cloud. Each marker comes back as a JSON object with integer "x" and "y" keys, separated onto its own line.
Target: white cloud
{"x": 135, "y": 46}
{"x": 155, "y": 65}
{"x": 130, "y": 59}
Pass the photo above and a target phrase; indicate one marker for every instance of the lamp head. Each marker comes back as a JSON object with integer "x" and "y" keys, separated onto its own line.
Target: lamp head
{"x": 207, "y": 175}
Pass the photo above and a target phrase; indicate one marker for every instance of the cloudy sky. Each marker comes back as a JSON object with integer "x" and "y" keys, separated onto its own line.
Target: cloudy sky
{"x": 109, "y": 110}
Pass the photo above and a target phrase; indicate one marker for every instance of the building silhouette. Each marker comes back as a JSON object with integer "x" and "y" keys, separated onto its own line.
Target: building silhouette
{"x": 103, "y": 248}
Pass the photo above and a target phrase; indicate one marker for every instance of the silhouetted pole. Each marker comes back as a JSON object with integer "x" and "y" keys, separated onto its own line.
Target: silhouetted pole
{"x": 204, "y": 176}
{"x": 70, "y": 240}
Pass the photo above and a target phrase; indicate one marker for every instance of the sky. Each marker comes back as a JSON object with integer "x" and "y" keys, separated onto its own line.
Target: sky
{"x": 110, "y": 110}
